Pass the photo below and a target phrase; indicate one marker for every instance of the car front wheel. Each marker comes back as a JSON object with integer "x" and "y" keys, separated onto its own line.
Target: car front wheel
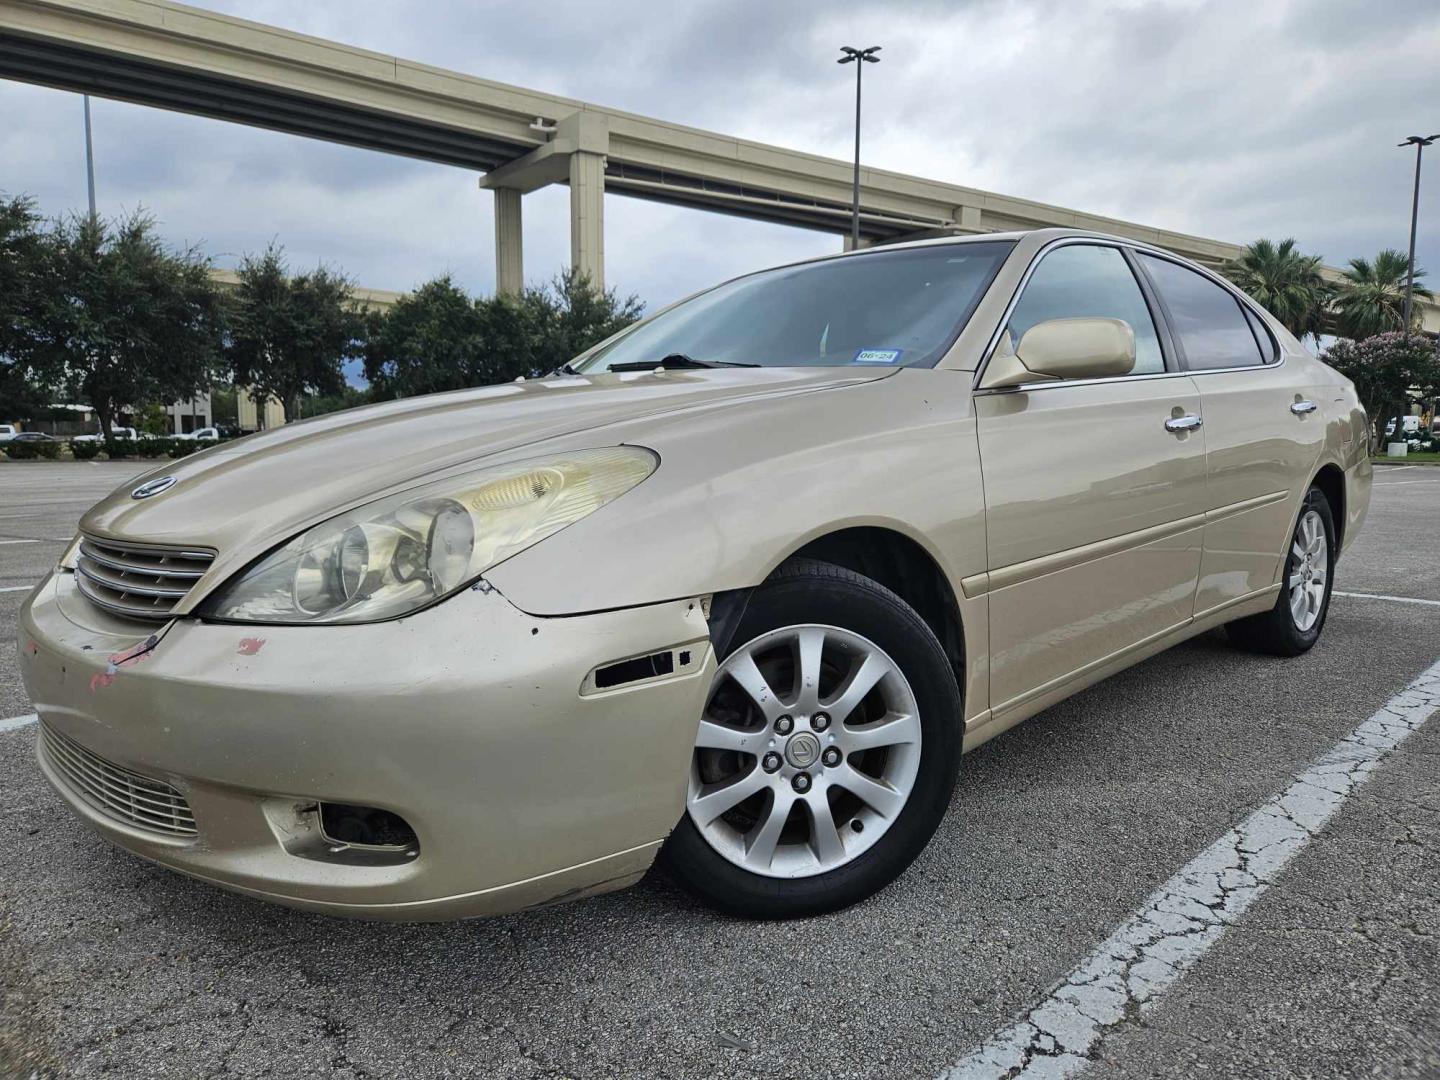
{"x": 827, "y": 751}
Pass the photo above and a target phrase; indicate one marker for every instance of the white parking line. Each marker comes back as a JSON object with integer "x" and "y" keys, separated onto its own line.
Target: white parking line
{"x": 1392, "y": 599}
{"x": 20, "y": 541}
{"x": 1185, "y": 917}
{"x": 16, "y": 588}
{"x": 17, "y": 722}
{"x": 1402, "y": 483}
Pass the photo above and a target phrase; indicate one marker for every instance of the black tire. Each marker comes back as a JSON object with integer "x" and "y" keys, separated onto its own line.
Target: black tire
{"x": 1275, "y": 632}
{"x": 807, "y": 591}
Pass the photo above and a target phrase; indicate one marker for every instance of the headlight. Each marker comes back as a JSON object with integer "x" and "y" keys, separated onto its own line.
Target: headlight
{"x": 408, "y": 550}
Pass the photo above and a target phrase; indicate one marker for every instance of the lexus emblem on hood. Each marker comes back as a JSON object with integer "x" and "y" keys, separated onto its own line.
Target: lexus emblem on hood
{"x": 153, "y": 487}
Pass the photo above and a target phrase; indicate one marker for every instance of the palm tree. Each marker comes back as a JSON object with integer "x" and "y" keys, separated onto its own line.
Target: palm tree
{"x": 1371, "y": 299}
{"x": 1285, "y": 282}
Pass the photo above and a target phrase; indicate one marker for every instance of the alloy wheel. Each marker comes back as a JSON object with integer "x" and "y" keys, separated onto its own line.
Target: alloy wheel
{"x": 1309, "y": 570}
{"x": 806, "y": 754}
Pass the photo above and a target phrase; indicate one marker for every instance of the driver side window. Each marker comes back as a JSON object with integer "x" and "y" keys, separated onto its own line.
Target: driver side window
{"x": 1089, "y": 281}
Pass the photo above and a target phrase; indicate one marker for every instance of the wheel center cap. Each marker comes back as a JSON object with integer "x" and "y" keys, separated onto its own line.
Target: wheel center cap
{"x": 803, "y": 750}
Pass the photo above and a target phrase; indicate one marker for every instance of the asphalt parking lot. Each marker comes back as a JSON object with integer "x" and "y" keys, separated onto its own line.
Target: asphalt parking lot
{"x": 1060, "y": 832}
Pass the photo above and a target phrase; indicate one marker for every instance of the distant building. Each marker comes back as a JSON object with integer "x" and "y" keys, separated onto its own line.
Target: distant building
{"x": 250, "y": 416}
{"x": 187, "y": 416}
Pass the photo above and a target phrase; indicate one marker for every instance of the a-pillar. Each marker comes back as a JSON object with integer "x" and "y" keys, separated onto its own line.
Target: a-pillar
{"x": 509, "y": 245}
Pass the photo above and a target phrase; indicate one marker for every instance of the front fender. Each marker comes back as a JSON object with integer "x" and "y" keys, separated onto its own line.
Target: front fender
{"x": 739, "y": 490}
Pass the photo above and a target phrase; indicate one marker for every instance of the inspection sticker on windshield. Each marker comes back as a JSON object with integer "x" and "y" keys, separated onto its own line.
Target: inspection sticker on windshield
{"x": 878, "y": 356}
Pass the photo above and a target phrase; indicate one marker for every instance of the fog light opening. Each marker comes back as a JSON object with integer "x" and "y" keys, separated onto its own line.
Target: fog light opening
{"x": 346, "y": 825}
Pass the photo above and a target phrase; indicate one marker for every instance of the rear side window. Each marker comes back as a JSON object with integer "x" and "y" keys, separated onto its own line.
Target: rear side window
{"x": 1089, "y": 281}
{"x": 1209, "y": 324}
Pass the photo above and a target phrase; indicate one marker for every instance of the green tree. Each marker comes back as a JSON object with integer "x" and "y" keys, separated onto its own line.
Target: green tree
{"x": 290, "y": 336}
{"x": 223, "y": 406}
{"x": 430, "y": 340}
{"x": 349, "y": 397}
{"x": 438, "y": 338}
{"x": 21, "y": 291}
{"x": 124, "y": 320}
{"x": 1386, "y": 369}
{"x": 153, "y": 419}
{"x": 575, "y": 315}
{"x": 1284, "y": 281}
{"x": 1371, "y": 299}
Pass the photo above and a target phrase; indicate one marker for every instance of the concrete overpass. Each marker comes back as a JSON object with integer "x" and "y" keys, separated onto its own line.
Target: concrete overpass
{"x": 159, "y": 53}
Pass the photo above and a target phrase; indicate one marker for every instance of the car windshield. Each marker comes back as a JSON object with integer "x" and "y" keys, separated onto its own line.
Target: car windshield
{"x": 901, "y": 307}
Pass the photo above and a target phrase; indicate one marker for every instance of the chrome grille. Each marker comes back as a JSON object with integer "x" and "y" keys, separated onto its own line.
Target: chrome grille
{"x": 138, "y": 581}
{"x": 141, "y": 801}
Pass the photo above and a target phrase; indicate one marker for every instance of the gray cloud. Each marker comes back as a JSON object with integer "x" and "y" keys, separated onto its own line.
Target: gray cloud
{"x": 1224, "y": 118}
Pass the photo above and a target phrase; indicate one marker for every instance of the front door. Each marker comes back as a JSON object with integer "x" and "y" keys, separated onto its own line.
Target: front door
{"x": 1094, "y": 508}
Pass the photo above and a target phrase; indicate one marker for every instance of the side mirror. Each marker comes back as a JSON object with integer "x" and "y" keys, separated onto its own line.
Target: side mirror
{"x": 1063, "y": 349}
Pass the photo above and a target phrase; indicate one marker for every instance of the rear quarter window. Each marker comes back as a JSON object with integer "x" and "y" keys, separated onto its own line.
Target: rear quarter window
{"x": 1211, "y": 327}
{"x": 1269, "y": 351}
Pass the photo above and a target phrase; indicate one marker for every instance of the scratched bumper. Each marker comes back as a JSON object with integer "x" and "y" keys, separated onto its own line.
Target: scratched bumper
{"x": 468, "y": 720}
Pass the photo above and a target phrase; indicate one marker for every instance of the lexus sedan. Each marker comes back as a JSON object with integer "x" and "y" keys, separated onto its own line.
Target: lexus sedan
{"x": 734, "y": 589}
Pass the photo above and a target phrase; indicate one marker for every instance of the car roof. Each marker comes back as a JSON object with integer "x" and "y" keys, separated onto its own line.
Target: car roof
{"x": 1041, "y": 236}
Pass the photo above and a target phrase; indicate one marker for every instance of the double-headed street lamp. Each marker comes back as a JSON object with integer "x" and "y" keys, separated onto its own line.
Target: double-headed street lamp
{"x": 860, "y": 57}
{"x": 1419, "y": 142}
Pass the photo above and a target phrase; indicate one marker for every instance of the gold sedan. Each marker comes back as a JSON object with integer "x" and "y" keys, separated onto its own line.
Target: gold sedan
{"x": 735, "y": 588}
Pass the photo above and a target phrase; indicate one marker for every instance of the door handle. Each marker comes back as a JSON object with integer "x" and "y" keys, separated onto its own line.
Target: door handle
{"x": 1183, "y": 423}
{"x": 1300, "y": 408}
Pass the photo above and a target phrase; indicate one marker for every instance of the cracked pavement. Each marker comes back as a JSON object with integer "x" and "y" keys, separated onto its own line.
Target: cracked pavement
{"x": 1061, "y": 831}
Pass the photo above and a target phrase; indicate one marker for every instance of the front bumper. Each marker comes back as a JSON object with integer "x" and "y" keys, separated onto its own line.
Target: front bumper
{"x": 473, "y": 721}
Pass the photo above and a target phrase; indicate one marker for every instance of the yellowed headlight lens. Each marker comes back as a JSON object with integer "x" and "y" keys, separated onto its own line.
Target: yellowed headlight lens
{"x": 410, "y": 549}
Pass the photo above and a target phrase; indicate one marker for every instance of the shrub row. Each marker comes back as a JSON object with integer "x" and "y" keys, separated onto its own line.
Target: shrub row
{"x": 152, "y": 448}
{"x": 24, "y": 450}
{"x": 114, "y": 448}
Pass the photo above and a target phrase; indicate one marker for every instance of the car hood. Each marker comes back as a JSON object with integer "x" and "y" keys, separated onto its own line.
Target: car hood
{"x": 242, "y": 498}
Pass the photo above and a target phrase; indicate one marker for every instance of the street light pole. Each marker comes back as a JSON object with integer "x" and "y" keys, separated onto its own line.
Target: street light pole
{"x": 860, "y": 57}
{"x": 89, "y": 159}
{"x": 1419, "y": 142}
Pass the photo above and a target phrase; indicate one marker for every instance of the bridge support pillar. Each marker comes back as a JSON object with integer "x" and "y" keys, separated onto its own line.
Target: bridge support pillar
{"x": 587, "y": 216}
{"x": 574, "y": 154}
{"x": 509, "y": 242}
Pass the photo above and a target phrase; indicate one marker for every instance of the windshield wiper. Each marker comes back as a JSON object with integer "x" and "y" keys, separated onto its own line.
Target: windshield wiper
{"x": 566, "y": 369}
{"x": 676, "y": 361}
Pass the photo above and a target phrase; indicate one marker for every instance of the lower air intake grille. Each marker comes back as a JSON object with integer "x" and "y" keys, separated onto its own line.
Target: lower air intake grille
{"x": 138, "y": 581}
{"x": 141, "y": 801}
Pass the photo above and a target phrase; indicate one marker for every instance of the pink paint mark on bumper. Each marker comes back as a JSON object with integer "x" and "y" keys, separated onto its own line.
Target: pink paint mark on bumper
{"x": 250, "y": 646}
{"x": 132, "y": 655}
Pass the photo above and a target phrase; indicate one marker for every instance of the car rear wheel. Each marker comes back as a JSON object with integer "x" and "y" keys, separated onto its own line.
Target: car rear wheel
{"x": 1294, "y": 624}
{"x": 827, "y": 751}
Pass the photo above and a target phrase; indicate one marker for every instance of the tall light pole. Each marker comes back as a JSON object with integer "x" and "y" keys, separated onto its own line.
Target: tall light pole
{"x": 89, "y": 159}
{"x": 1419, "y": 142}
{"x": 860, "y": 57}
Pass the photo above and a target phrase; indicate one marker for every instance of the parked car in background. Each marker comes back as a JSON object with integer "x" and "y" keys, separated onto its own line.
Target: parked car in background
{"x": 7, "y": 432}
{"x": 204, "y": 434}
{"x": 31, "y": 436}
{"x": 1410, "y": 425}
{"x": 735, "y": 590}
{"x": 128, "y": 434}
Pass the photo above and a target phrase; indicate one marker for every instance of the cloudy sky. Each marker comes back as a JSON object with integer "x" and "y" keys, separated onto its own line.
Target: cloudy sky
{"x": 1225, "y": 119}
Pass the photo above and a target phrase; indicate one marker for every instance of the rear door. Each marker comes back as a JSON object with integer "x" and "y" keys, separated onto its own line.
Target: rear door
{"x": 1263, "y": 431}
{"x": 1094, "y": 508}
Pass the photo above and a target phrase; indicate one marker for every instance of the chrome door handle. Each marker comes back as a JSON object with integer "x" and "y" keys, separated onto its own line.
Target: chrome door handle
{"x": 1300, "y": 408}
{"x": 1183, "y": 423}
